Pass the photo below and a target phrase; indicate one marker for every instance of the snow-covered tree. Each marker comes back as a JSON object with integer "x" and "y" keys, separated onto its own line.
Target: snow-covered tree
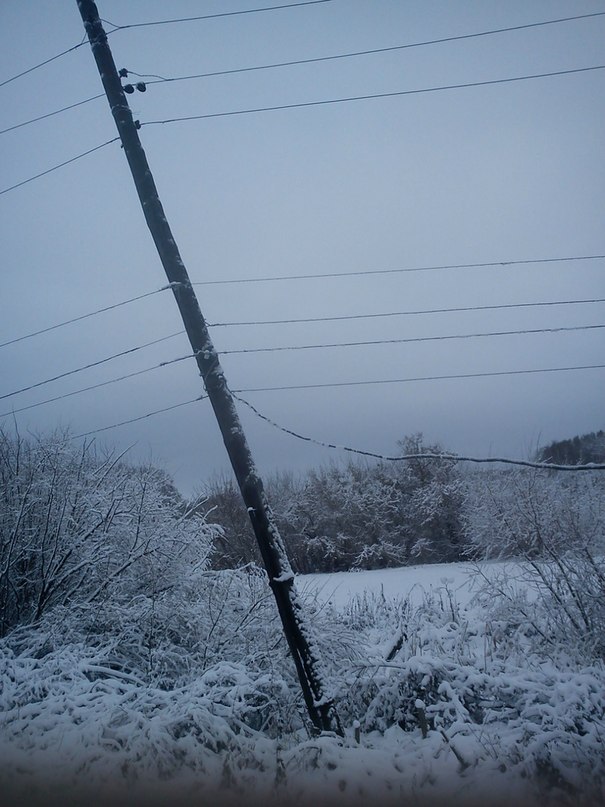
{"x": 373, "y": 515}
{"x": 556, "y": 524}
{"x": 82, "y": 527}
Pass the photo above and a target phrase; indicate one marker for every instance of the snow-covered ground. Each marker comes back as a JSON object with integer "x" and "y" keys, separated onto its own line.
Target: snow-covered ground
{"x": 412, "y": 582}
{"x": 454, "y": 706}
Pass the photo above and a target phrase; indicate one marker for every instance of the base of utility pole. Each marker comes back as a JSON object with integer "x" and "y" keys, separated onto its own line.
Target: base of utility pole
{"x": 281, "y": 578}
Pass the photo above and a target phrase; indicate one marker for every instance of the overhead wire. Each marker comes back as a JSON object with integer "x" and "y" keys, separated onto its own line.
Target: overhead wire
{"x": 92, "y": 364}
{"x": 277, "y": 348}
{"x": 156, "y": 79}
{"x": 97, "y": 386}
{"x": 285, "y": 6}
{"x": 448, "y": 377}
{"x": 301, "y": 320}
{"x": 51, "y": 114}
{"x": 214, "y": 16}
{"x": 348, "y": 99}
{"x": 84, "y": 316}
{"x": 407, "y": 340}
{"x": 355, "y": 383}
{"x": 450, "y": 457}
{"x": 362, "y": 272}
{"x": 206, "y": 116}
{"x": 306, "y": 104}
{"x": 60, "y": 165}
{"x": 367, "y": 52}
{"x": 549, "y": 466}
{"x": 457, "y": 309}
{"x": 141, "y": 417}
{"x": 42, "y": 64}
{"x": 425, "y": 455}
{"x": 157, "y": 22}
{"x": 124, "y": 27}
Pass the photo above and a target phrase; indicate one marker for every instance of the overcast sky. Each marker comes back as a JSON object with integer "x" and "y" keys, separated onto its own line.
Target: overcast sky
{"x": 497, "y": 173}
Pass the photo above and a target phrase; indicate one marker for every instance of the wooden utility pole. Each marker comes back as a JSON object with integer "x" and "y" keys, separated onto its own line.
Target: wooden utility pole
{"x": 281, "y": 579}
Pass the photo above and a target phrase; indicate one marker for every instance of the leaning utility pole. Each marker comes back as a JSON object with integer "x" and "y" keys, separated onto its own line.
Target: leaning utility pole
{"x": 281, "y": 579}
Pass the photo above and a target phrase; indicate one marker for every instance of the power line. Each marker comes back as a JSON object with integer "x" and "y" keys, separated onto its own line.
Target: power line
{"x": 424, "y": 455}
{"x": 420, "y": 378}
{"x": 307, "y": 319}
{"x": 84, "y": 316}
{"x": 303, "y": 61}
{"x": 458, "y": 309}
{"x": 368, "y": 52}
{"x": 261, "y": 350}
{"x": 97, "y": 386}
{"x": 274, "y": 65}
{"x": 416, "y": 456}
{"x": 310, "y": 386}
{"x": 269, "y": 350}
{"x": 60, "y": 165}
{"x": 399, "y": 93}
{"x": 214, "y": 16}
{"x": 300, "y": 105}
{"x": 41, "y": 64}
{"x": 490, "y": 264}
{"x": 141, "y": 417}
{"x": 137, "y": 25}
{"x": 50, "y": 114}
{"x": 92, "y": 364}
{"x": 411, "y": 339}
{"x": 402, "y": 458}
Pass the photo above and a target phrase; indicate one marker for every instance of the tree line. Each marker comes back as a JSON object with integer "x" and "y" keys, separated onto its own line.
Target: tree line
{"x": 79, "y": 525}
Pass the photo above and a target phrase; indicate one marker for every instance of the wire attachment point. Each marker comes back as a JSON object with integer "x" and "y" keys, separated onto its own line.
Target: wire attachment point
{"x": 130, "y": 88}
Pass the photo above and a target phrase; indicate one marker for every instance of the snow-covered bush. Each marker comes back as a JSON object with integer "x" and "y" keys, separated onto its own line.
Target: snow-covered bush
{"x": 444, "y": 700}
{"x": 376, "y": 515}
{"x": 81, "y": 528}
{"x": 71, "y": 720}
{"x": 233, "y": 653}
{"x": 438, "y": 670}
{"x": 514, "y": 513}
{"x": 556, "y": 524}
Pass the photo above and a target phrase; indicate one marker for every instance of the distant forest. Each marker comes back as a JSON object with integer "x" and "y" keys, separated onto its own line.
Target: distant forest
{"x": 577, "y": 450}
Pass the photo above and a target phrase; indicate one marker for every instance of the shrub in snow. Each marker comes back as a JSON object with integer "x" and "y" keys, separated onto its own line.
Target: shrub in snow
{"x": 70, "y": 714}
{"x": 221, "y": 625}
{"x": 82, "y": 528}
{"x": 528, "y": 513}
{"x": 376, "y": 515}
{"x": 557, "y": 524}
{"x": 493, "y": 698}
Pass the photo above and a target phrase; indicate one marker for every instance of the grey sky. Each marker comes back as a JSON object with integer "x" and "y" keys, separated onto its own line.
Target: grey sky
{"x": 496, "y": 173}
